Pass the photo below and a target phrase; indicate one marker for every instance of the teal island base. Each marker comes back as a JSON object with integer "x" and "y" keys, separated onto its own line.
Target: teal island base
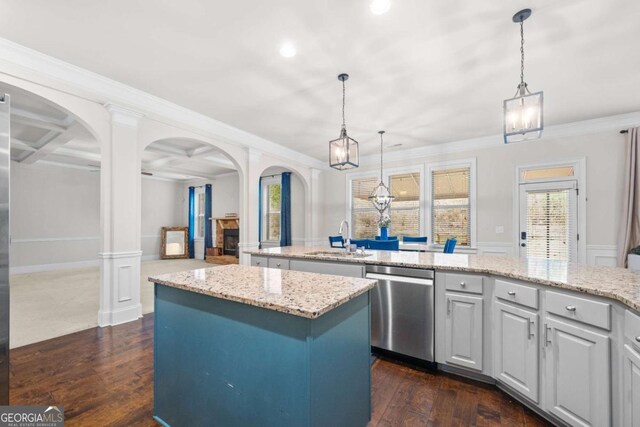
{"x": 224, "y": 363}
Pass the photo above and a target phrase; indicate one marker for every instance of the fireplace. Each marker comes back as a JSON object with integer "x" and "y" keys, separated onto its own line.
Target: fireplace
{"x": 230, "y": 241}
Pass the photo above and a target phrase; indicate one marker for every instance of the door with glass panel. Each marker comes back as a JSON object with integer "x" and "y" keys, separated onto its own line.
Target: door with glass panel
{"x": 548, "y": 220}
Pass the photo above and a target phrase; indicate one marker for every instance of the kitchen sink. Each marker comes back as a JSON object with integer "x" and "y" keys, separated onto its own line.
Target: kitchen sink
{"x": 341, "y": 254}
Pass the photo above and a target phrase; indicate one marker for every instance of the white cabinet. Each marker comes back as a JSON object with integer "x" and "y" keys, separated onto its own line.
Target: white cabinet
{"x": 463, "y": 331}
{"x": 577, "y": 374}
{"x": 516, "y": 349}
{"x": 631, "y": 384}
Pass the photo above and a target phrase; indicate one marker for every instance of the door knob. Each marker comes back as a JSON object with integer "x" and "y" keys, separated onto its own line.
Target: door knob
{"x": 523, "y": 244}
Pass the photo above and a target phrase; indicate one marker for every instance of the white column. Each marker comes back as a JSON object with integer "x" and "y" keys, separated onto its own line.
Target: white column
{"x": 250, "y": 238}
{"x": 313, "y": 231}
{"x": 120, "y": 220}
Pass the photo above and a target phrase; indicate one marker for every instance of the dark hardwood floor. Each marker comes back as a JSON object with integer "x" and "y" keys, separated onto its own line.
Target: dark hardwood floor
{"x": 104, "y": 377}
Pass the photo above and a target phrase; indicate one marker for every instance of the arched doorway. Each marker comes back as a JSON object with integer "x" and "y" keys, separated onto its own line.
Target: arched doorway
{"x": 55, "y": 219}
{"x": 271, "y": 219}
{"x": 171, "y": 168}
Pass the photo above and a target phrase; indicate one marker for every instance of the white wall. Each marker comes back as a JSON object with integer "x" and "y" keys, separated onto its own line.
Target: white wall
{"x": 162, "y": 202}
{"x": 55, "y": 219}
{"x": 495, "y": 187}
{"x": 55, "y": 215}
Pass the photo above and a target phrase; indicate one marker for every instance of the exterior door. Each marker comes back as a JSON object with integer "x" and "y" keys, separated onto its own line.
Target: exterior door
{"x": 549, "y": 220}
{"x": 516, "y": 349}
{"x": 578, "y": 388}
{"x": 463, "y": 331}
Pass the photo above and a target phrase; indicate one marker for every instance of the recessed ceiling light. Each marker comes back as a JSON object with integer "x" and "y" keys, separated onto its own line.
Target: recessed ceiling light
{"x": 288, "y": 50}
{"x": 379, "y": 7}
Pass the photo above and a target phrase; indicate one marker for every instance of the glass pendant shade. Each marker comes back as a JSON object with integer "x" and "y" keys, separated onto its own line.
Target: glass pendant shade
{"x": 381, "y": 197}
{"x": 523, "y": 118}
{"x": 522, "y": 113}
{"x": 343, "y": 152}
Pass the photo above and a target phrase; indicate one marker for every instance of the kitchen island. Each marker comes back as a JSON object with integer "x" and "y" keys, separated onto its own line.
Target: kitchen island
{"x": 562, "y": 338}
{"x": 240, "y": 346}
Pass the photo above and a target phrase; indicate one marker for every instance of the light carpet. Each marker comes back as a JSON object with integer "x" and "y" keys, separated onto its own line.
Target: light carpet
{"x": 54, "y": 303}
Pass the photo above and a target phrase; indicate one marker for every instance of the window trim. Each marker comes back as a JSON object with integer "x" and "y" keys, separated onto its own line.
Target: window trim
{"x": 473, "y": 207}
{"x": 580, "y": 176}
{"x": 265, "y": 204}
{"x": 386, "y": 174}
{"x": 199, "y": 191}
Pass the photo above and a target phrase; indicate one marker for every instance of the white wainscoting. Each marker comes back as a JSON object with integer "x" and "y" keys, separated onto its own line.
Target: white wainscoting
{"x": 496, "y": 248}
{"x": 605, "y": 255}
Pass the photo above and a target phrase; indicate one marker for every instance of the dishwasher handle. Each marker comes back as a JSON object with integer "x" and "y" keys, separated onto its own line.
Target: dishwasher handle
{"x": 401, "y": 279}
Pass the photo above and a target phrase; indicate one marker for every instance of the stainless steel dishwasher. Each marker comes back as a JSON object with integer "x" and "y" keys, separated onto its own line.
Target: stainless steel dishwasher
{"x": 402, "y": 314}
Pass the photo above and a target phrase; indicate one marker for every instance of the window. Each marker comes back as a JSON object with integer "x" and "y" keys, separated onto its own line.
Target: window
{"x": 364, "y": 217}
{"x": 405, "y": 208}
{"x": 271, "y": 209}
{"x": 199, "y": 233}
{"x": 452, "y": 202}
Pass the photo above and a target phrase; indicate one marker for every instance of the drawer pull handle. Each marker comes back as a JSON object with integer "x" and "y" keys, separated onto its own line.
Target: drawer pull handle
{"x": 257, "y": 262}
{"x": 463, "y": 284}
{"x": 278, "y": 265}
{"x": 571, "y": 308}
{"x": 638, "y": 339}
{"x": 512, "y": 293}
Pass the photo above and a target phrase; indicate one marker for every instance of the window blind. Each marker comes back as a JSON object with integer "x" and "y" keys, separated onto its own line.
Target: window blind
{"x": 405, "y": 208}
{"x": 551, "y": 226}
{"x": 450, "y": 205}
{"x": 364, "y": 217}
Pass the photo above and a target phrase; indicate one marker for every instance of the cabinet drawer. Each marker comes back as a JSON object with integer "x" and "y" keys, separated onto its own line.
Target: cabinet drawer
{"x": 281, "y": 263}
{"x": 519, "y": 294}
{"x": 463, "y": 283}
{"x": 259, "y": 261}
{"x": 632, "y": 328}
{"x": 579, "y": 309}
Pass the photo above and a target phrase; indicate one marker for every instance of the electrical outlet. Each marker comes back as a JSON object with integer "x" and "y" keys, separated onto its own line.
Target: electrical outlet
{"x": 499, "y": 229}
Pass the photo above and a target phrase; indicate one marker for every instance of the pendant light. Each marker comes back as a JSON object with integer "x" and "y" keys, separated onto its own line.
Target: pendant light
{"x": 523, "y": 113}
{"x": 343, "y": 152}
{"x": 381, "y": 196}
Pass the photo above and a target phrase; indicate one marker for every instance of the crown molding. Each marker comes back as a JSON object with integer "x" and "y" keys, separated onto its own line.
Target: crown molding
{"x": 104, "y": 90}
{"x": 584, "y": 127}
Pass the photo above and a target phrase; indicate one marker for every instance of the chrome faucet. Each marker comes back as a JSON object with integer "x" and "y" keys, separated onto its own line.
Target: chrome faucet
{"x": 342, "y": 226}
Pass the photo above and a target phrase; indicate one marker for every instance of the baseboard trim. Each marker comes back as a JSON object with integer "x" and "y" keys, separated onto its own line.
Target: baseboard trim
{"x": 25, "y": 269}
{"x": 112, "y": 318}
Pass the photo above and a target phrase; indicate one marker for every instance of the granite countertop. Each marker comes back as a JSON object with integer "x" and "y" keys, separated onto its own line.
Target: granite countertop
{"x": 611, "y": 282}
{"x": 307, "y": 295}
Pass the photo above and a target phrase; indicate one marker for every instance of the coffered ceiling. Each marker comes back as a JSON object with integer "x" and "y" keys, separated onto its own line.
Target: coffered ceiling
{"x": 42, "y": 132}
{"x": 427, "y": 71}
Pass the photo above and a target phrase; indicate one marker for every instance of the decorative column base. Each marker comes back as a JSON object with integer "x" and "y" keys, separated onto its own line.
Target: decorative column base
{"x": 120, "y": 288}
{"x": 243, "y": 246}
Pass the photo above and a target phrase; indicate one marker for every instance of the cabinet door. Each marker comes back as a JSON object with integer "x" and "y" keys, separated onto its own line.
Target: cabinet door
{"x": 516, "y": 349}
{"x": 577, "y": 374}
{"x": 463, "y": 331}
{"x": 631, "y": 392}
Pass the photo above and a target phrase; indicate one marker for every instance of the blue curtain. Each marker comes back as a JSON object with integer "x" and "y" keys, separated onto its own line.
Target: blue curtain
{"x": 285, "y": 210}
{"x": 260, "y": 213}
{"x": 208, "y": 238}
{"x": 192, "y": 217}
